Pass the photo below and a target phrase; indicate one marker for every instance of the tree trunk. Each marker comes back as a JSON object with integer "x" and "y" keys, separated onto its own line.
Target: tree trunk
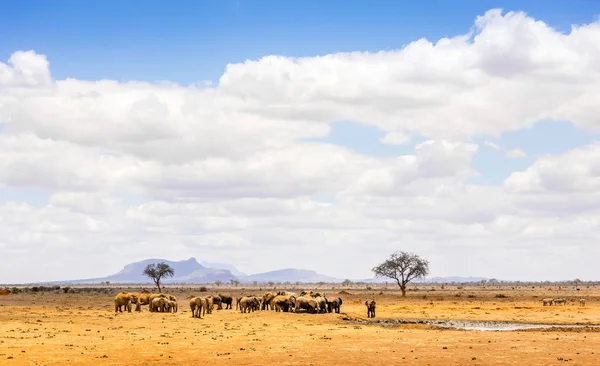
{"x": 403, "y": 289}
{"x": 158, "y": 285}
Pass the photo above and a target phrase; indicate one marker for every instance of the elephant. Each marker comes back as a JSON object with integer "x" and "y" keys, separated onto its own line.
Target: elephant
{"x": 172, "y": 306}
{"x": 154, "y": 296}
{"x": 209, "y": 304}
{"x": 143, "y": 299}
{"x": 138, "y": 302}
{"x": 125, "y": 299}
{"x": 321, "y": 304}
{"x": 247, "y": 304}
{"x": 217, "y": 301}
{"x": 227, "y": 300}
{"x": 198, "y": 307}
{"x": 370, "y": 308}
{"x": 334, "y": 305}
{"x": 266, "y": 300}
{"x": 283, "y": 303}
{"x": 158, "y": 304}
{"x": 306, "y": 303}
{"x": 256, "y": 303}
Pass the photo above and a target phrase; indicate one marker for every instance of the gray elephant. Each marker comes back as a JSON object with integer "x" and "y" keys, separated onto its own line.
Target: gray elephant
{"x": 198, "y": 307}
{"x": 125, "y": 299}
{"x": 158, "y": 304}
{"x": 334, "y": 305}
{"x": 370, "y": 308}
{"x": 284, "y": 303}
{"x": 227, "y": 300}
{"x": 306, "y": 303}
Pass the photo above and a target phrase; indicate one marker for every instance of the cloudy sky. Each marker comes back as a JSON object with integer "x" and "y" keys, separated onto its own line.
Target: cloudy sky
{"x": 270, "y": 135}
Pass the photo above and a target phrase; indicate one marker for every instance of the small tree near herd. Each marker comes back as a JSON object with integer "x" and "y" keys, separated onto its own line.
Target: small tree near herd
{"x": 157, "y": 271}
{"x": 402, "y": 267}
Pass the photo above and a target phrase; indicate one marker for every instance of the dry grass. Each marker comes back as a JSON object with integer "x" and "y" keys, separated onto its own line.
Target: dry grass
{"x": 82, "y": 329}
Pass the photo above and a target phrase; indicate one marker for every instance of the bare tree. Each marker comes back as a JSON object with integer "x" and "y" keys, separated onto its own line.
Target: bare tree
{"x": 218, "y": 283}
{"x": 157, "y": 271}
{"x": 577, "y": 282}
{"x": 403, "y": 267}
{"x": 346, "y": 282}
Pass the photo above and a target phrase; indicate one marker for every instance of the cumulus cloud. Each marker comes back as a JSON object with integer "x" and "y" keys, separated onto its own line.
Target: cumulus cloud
{"x": 515, "y": 153}
{"x": 226, "y": 172}
{"x": 395, "y": 138}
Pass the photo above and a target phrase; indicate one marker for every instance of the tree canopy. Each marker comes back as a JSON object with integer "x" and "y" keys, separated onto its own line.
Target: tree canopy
{"x": 156, "y": 271}
{"x": 402, "y": 267}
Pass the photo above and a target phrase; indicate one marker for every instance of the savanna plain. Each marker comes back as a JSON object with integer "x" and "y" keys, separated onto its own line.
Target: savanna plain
{"x": 56, "y": 328}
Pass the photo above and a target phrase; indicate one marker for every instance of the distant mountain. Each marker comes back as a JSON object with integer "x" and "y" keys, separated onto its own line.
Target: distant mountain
{"x": 454, "y": 279}
{"x": 192, "y": 272}
{"x": 427, "y": 280}
{"x": 289, "y": 275}
{"x": 228, "y": 267}
{"x": 187, "y": 271}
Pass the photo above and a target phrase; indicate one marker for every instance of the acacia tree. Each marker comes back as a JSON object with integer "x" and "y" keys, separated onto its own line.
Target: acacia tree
{"x": 402, "y": 267}
{"x": 156, "y": 271}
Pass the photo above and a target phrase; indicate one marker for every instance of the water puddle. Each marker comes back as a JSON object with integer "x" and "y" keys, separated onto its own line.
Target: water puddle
{"x": 484, "y": 326}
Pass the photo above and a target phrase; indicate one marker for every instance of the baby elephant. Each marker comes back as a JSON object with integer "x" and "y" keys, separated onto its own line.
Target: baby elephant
{"x": 370, "y": 309}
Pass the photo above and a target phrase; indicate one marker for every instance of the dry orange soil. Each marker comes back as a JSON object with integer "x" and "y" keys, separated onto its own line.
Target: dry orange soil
{"x": 82, "y": 329}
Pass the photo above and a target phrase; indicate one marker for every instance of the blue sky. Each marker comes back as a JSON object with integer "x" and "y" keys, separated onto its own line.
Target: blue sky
{"x": 142, "y": 40}
{"x": 192, "y": 41}
{"x": 228, "y": 150}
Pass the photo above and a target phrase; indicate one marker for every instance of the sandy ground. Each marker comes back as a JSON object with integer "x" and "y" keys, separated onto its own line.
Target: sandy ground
{"x": 82, "y": 329}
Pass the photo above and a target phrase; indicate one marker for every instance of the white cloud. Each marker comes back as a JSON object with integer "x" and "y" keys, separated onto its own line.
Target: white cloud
{"x": 491, "y": 144}
{"x": 396, "y": 138}
{"x": 225, "y": 172}
{"x": 515, "y": 153}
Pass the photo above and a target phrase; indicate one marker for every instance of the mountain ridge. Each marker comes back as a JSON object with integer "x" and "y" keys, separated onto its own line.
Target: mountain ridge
{"x": 190, "y": 271}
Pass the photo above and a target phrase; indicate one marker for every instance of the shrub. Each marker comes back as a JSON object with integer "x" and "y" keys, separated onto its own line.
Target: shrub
{"x": 458, "y": 294}
{"x": 35, "y": 289}
{"x": 471, "y": 296}
{"x": 15, "y": 290}
{"x": 203, "y": 289}
{"x": 66, "y": 289}
{"x": 500, "y": 296}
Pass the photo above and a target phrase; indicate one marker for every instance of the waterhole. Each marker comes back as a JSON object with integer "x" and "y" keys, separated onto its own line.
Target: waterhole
{"x": 471, "y": 324}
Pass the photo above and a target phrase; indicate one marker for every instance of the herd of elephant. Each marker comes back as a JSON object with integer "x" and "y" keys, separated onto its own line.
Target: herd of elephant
{"x": 310, "y": 302}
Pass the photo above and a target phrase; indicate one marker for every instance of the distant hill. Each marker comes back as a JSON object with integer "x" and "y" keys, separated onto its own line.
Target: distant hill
{"x": 289, "y": 275}
{"x": 428, "y": 280}
{"x": 192, "y": 272}
{"x": 454, "y": 279}
{"x": 228, "y": 267}
{"x": 187, "y": 271}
